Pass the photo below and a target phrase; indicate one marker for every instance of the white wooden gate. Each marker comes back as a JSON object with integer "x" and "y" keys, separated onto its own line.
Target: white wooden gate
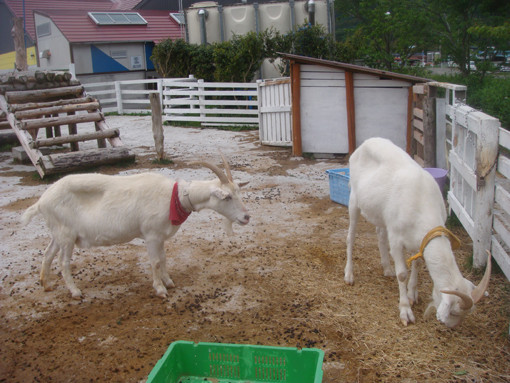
{"x": 501, "y": 224}
{"x": 472, "y": 139}
{"x": 472, "y": 174}
{"x": 275, "y": 106}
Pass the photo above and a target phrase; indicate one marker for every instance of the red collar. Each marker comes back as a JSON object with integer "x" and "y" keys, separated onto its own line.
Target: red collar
{"x": 178, "y": 213}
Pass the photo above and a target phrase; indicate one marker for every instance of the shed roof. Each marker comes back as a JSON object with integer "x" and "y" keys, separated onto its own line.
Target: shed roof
{"x": 78, "y": 27}
{"x": 16, "y": 7}
{"x": 354, "y": 68}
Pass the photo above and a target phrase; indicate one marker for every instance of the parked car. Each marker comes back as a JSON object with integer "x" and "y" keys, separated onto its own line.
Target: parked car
{"x": 504, "y": 68}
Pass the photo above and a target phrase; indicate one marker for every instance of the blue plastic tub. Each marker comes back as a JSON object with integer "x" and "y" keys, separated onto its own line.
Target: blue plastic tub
{"x": 339, "y": 190}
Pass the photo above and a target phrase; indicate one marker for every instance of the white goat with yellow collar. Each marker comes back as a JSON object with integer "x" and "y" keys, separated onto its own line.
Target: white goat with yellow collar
{"x": 89, "y": 210}
{"x": 405, "y": 204}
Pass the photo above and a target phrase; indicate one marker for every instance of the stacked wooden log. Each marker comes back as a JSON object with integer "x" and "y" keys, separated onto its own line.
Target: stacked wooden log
{"x": 33, "y": 80}
{"x": 50, "y": 101}
{"x": 4, "y": 124}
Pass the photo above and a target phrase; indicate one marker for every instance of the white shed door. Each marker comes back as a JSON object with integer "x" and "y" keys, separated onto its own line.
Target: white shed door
{"x": 323, "y": 119}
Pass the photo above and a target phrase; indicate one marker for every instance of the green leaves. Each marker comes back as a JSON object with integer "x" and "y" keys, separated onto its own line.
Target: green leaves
{"x": 240, "y": 58}
{"x": 460, "y": 29}
{"x": 177, "y": 58}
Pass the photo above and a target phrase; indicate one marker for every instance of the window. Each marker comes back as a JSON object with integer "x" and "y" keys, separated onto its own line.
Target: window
{"x": 43, "y": 30}
{"x": 118, "y": 54}
{"x": 179, "y": 17}
{"x": 117, "y": 18}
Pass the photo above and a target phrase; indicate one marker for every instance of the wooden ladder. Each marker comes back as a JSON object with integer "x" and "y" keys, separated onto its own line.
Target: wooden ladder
{"x": 27, "y": 111}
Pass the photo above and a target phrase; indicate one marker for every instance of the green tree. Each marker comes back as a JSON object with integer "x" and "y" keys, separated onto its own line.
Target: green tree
{"x": 310, "y": 41}
{"x": 172, "y": 58}
{"x": 460, "y": 28}
{"x": 177, "y": 58}
{"x": 383, "y": 29}
{"x": 239, "y": 59}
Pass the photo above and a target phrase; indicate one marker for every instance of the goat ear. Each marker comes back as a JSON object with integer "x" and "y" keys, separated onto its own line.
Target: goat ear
{"x": 243, "y": 184}
{"x": 220, "y": 193}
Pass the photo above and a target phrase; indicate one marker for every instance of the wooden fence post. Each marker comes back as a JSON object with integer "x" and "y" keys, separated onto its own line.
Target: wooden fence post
{"x": 157, "y": 125}
{"x": 201, "y": 98}
{"x": 351, "y": 111}
{"x": 486, "y": 157}
{"x": 297, "y": 146}
{"x": 118, "y": 96}
{"x": 159, "y": 85}
{"x": 429, "y": 127}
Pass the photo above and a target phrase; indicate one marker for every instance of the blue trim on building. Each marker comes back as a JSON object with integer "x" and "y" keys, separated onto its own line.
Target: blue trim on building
{"x": 148, "y": 53}
{"x": 101, "y": 62}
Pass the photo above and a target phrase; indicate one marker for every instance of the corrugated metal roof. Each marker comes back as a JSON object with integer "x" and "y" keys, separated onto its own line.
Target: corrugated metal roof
{"x": 124, "y": 4}
{"x": 354, "y": 68}
{"x": 78, "y": 27}
{"x": 16, "y": 6}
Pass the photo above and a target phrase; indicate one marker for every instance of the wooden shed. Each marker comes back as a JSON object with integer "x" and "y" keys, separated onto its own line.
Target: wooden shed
{"x": 336, "y": 106}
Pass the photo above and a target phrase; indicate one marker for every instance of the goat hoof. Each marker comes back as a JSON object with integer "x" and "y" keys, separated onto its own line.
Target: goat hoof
{"x": 77, "y": 296}
{"x": 406, "y": 317}
{"x": 349, "y": 278}
{"x": 414, "y": 301}
{"x": 162, "y": 293}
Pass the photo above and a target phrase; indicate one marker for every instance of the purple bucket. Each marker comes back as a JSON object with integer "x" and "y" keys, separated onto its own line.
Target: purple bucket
{"x": 439, "y": 175}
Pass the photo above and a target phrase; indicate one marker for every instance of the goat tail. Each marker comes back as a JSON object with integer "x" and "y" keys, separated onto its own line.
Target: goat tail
{"x": 30, "y": 213}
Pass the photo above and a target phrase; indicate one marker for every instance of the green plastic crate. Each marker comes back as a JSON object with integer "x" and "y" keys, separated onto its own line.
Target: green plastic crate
{"x": 187, "y": 362}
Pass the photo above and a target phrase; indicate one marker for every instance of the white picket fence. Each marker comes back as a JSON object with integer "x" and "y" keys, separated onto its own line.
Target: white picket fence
{"x": 212, "y": 104}
{"x": 183, "y": 100}
{"x": 124, "y": 97}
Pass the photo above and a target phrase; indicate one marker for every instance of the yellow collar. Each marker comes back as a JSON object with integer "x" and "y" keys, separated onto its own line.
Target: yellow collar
{"x": 435, "y": 232}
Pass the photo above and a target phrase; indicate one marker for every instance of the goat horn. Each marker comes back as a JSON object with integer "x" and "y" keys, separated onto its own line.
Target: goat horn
{"x": 223, "y": 178}
{"x": 227, "y": 167}
{"x": 480, "y": 290}
{"x": 467, "y": 301}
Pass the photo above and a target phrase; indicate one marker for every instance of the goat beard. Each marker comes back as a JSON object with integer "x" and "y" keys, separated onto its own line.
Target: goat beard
{"x": 430, "y": 310}
{"x": 227, "y": 224}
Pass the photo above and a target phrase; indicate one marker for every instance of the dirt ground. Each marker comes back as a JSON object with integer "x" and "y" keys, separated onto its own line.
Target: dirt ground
{"x": 278, "y": 281}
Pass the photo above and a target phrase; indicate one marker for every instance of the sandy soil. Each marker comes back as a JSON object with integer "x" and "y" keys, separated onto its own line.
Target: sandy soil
{"x": 277, "y": 281}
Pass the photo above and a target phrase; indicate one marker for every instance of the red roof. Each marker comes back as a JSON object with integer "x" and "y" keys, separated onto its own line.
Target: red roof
{"x": 124, "y": 4}
{"x": 16, "y": 7}
{"x": 78, "y": 27}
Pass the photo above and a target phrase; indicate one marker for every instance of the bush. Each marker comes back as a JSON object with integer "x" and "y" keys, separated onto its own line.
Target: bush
{"x": 177, "y": 58}
{"x": 239, "y": 59}
{"x": 488, "y": 93}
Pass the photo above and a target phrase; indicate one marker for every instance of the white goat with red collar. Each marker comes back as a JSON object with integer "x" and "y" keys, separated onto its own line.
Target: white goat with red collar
{"x": 89, "y": 210}
{"x": 405, "y": 204}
